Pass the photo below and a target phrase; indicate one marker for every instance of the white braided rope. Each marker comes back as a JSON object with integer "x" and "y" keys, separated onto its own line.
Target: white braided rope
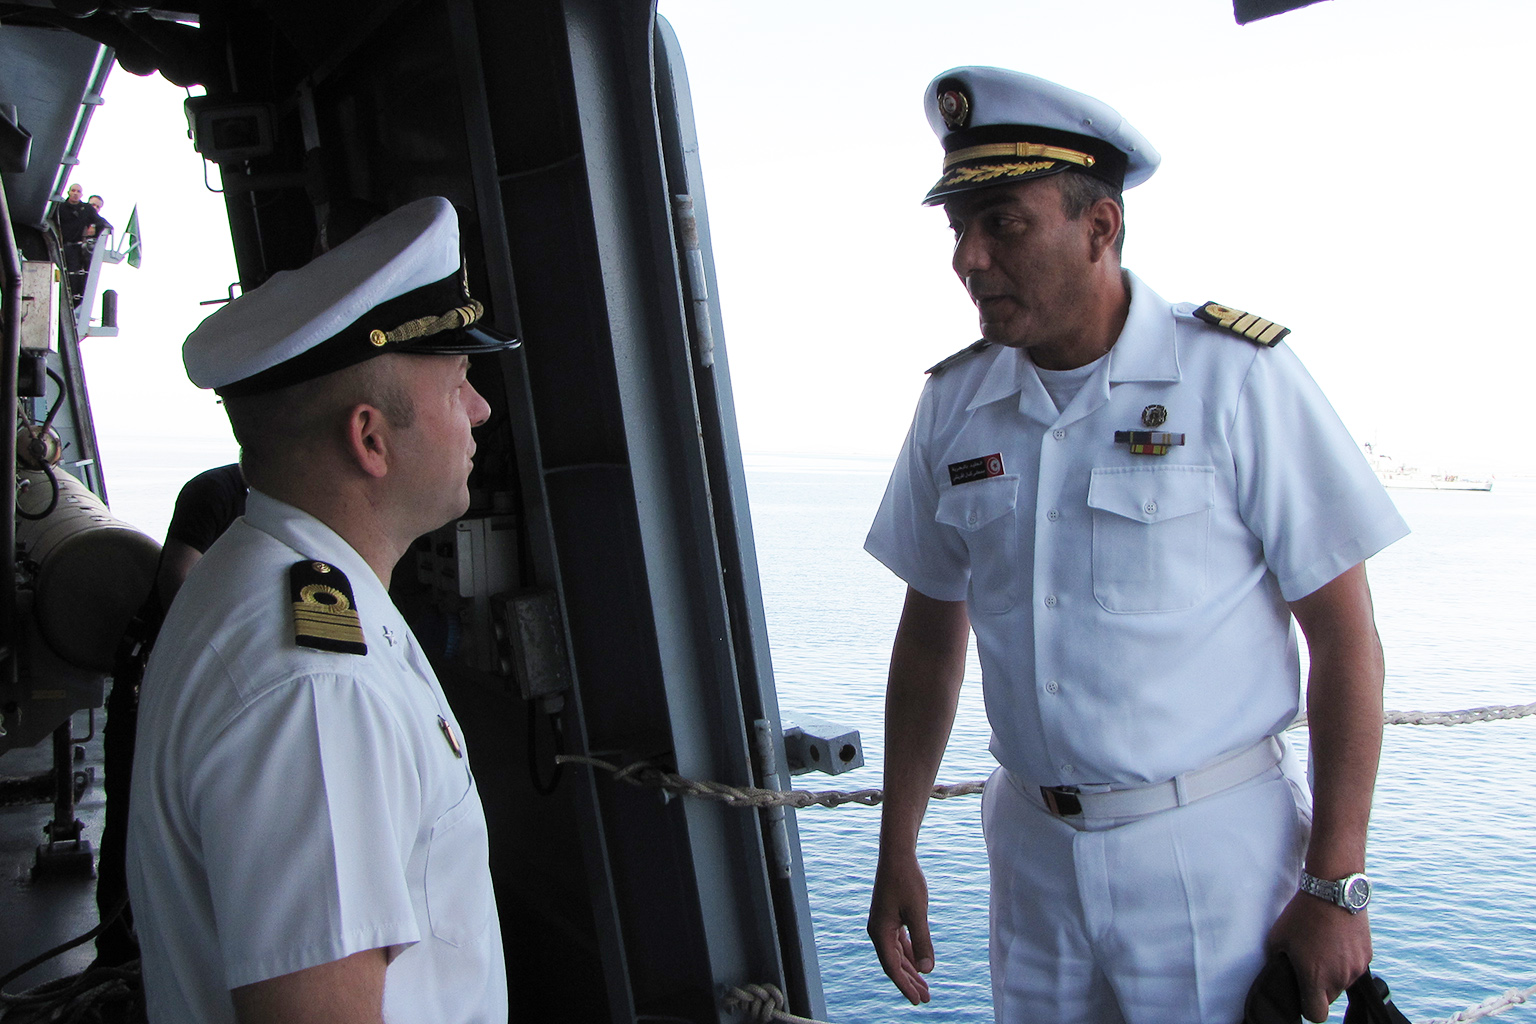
{"x": 1492, "y": 713}
{"x": 1488, "y": 1007}
{"x": 643, "y": 773}
{"x": 763, "y": 1004}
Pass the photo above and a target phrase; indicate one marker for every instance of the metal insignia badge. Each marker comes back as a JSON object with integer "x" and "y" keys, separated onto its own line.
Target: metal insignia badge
{"x": 453, "y": 741}
{"x": 955, "y": 108}
{"x": 1154, "y": 416}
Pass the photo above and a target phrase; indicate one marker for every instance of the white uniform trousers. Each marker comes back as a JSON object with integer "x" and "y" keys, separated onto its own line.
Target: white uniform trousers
{"x": 1144, "y": 920}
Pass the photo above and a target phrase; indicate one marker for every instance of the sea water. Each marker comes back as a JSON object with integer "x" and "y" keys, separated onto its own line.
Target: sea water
{"x": 1452, "y": 852}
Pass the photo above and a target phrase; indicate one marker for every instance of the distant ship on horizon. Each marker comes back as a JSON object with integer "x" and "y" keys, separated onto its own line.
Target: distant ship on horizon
{"x": 1393, "y": 473}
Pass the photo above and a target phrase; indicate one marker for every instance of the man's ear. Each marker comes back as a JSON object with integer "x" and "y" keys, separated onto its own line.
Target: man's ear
{"x": 1104, "y": 220}
{"x": 367, "y": 439}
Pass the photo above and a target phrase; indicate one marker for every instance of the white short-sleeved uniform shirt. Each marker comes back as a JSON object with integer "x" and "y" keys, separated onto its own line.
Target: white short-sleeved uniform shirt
{"x": 291, "y": 807}
{"x": 1130, "y": 610}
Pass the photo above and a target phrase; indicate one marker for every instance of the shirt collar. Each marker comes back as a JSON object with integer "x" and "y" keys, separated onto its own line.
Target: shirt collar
{"x": 314, "y": 540}
{"x": 1008, "y": 375}
{"x": 1145, "y": 351}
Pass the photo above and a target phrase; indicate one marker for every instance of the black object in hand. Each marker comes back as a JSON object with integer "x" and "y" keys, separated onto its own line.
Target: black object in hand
{"x": 1275, "y": 997}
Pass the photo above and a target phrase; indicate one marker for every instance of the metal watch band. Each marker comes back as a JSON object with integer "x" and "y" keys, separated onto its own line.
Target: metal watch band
{"x": 1352, "y": 892}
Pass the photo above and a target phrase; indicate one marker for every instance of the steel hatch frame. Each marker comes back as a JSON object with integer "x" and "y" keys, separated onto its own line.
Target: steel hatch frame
{"x": 640, "y": 495}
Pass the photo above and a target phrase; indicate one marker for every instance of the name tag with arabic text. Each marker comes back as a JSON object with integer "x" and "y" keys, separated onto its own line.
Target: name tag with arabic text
{"x": 975, "y": 469}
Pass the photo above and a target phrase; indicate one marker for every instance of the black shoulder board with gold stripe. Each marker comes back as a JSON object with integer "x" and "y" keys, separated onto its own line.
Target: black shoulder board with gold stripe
{"x": 324, "y": 616}
{"x": 1255, "y": 328}
{"x": 965, "y": 353}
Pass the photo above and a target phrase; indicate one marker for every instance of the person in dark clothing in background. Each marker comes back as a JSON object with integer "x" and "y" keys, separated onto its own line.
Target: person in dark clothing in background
{"x": 206, "y": 506}
{"x": 77, "y": 221}
{"x": 93, "y": 229}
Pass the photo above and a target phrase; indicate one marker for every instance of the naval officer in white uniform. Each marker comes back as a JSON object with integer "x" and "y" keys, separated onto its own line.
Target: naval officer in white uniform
{"x": 306, "y": 841}
{"x": 1127, "y": 501}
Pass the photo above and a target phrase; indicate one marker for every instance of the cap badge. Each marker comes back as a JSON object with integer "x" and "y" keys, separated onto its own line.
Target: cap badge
{"x": 1154, "y": 416}
{"x": 955, "y": 108}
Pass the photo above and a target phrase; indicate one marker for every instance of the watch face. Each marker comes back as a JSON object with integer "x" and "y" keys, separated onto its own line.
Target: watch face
{"x": 1357, "y": 893}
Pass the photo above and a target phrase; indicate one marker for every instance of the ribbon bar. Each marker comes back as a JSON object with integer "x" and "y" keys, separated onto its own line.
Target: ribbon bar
{"x": 1148, "y": 442}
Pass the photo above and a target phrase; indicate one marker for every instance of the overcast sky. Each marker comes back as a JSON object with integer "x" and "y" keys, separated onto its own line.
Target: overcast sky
{"x": 1349, "y": 170}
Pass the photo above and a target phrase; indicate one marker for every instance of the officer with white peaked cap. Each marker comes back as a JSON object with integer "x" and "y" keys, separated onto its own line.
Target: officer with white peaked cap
{"x": 304, "y": 823}
{"x": 1001, "y": 126}
{"x": 1127, "y": 501}
{"x": 396, "y": 286}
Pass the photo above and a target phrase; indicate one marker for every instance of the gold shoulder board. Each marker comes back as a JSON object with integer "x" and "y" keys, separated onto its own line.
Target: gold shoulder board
{"x": 324, "y": 615}
{"x": 965, "y": 353}
{"x": 1255, "y": 328}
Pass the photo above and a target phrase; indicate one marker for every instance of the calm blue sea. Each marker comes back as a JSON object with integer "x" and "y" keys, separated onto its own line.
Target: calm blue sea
{"x": 1452, "y": 850}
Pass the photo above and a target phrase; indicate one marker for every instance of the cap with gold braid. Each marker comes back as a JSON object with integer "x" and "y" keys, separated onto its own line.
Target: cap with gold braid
{"x": 1001, "y": 126}
{"x": 396, "y": 286}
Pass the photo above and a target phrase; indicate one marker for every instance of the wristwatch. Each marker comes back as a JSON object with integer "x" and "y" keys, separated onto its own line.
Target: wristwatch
{"x": 1352, "y": 892}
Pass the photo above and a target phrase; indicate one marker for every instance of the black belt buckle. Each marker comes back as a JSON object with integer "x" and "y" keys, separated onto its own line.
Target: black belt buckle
{"x": 1062, "y": 801}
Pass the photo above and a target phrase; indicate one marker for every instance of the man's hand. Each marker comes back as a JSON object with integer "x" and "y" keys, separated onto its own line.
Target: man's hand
{"x": 927, "y": 669}
{"x": 898, "y": 925}
{"x": 1328, "y": 947}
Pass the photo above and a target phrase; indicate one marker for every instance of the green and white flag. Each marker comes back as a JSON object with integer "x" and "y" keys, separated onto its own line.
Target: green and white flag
{"x": 133, "y": 246}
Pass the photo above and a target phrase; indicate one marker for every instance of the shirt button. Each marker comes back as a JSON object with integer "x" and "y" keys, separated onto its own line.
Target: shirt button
{"x": 1058, "y": 433}
{"x": 1150, "y": 508}
{"x": 1067, "y": 769}
{"x": 1050, "y": 600}
{"x": 970, "y": 518}
{"x": 1053, "y": 515}
{"x": 1052, "y": 686}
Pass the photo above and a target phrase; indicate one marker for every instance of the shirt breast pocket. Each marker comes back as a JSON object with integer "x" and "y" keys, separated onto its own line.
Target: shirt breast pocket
{"x": 983, "y": 512}
{"x": 458, "y": 870}
{"x": 1151, "y": 536}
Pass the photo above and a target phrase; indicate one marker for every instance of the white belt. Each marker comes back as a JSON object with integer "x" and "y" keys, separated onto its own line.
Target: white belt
{"x": 1232, "y": 770}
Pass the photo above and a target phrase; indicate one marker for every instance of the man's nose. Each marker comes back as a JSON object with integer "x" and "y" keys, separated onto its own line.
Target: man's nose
{"x": 479, "y": 408}
{"x": 970, "y": 254}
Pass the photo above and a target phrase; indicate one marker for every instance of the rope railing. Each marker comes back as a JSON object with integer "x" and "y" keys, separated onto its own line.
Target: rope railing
{"x": 1491, "y": 713}
{"x": 1488, "y": 1007}
{"x": 765, "y": 1004}
{"x": 646, "y": 774}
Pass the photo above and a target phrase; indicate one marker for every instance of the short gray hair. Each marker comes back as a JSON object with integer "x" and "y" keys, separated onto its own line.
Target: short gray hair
{"x": 279, "y": 425}
{"x": 1079, "y": 192}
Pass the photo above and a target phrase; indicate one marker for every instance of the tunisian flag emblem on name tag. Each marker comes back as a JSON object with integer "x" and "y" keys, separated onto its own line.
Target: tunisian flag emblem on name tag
{"x": 976, "y": 469}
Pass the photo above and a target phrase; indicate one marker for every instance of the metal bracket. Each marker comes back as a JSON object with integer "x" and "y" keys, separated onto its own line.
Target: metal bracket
{"x": 816, "y": 744}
